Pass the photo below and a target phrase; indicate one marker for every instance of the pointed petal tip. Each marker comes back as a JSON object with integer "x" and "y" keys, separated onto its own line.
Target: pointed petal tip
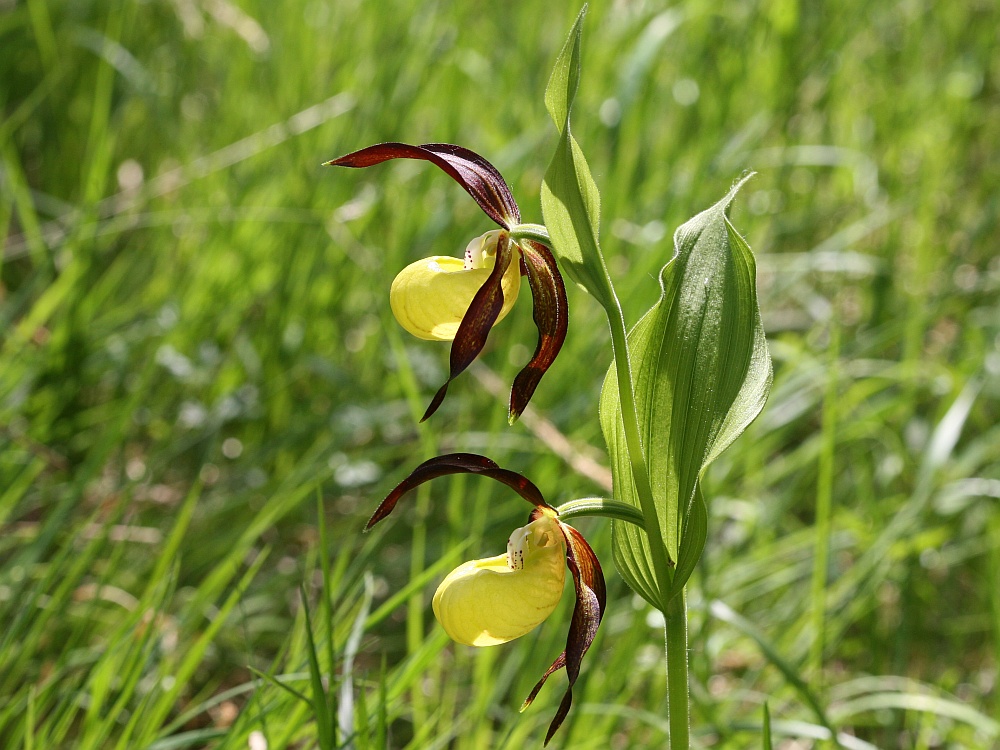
{"x": 436, "y": 401}
{"x": 560, "y": 717}
{"x": 382, "y": 511}
{"x": 518, "y": 400}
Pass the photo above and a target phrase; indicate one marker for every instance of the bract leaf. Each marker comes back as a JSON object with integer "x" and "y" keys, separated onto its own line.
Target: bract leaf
{"x": 571, "y": 203}
{"x": 693, "y": 538}
{"x": 702, "y": 374}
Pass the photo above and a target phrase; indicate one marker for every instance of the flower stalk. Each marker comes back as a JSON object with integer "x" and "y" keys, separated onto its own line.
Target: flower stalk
{"x": 533, "y": 232}
{"x": 599, "y": 506}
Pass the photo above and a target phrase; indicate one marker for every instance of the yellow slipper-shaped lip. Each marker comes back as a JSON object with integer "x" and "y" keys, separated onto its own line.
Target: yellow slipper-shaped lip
{"x": 485, "y": 602}
{"x": 495, "y": 600}
{"x": 430, "y": 297}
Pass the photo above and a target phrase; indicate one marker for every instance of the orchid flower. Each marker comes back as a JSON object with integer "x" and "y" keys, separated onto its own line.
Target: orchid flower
{"x": 492, "y": 601}
{"x": 459, "y": 299}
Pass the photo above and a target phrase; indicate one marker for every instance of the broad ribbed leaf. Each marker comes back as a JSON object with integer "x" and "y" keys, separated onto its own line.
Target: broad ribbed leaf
{"x": 702, "y": 373}
{"x": 571, "y": 203}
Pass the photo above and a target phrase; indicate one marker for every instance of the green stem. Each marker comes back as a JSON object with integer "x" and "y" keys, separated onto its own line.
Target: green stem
{"x": 535, "y": 232}
{"x": 678, "y": 700}
{"x": 599, "y": 506}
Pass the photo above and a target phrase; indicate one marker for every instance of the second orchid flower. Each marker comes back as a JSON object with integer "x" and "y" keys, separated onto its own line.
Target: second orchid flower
{"x": 445, "y": 298}
{"x": 497, "y": 599}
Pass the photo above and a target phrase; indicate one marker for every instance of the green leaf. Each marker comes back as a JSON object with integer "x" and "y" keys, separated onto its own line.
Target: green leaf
{"x": 702, "y": 373}
{"x": 325, "y": 728}
{"x": 692, "y": 544}
{"x": 565, "y": 77}
{"x": 571, "y": 203}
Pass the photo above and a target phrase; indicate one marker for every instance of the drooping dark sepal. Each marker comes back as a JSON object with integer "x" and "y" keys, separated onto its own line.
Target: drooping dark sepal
{"x": 479, "y": 319}
{"x": 591, "y": 597}
{"x": 551, "y": 314}
{"x": 458, "y": 463}
{"x": 480, "y": 179}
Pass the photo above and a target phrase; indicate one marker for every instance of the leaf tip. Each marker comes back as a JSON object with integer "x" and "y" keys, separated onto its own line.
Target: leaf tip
{"x": 737, "y": 186}
{"x": 565, "y": 77}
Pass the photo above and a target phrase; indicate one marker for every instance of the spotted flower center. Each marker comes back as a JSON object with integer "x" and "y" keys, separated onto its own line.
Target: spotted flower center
{"x": 482, "y": 251}
{"x": 525, "y": 541}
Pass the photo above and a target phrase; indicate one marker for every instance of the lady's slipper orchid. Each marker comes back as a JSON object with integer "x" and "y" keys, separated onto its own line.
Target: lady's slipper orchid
{"x": 450, "y": 299}
{"x": 492, "y": 601}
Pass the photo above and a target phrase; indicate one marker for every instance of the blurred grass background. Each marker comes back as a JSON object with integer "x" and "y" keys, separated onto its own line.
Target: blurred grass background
{"x": 203, "y": 396}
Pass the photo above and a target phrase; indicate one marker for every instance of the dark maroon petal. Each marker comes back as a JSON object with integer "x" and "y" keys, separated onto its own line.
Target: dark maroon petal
{"x": 551, "y": 314}
{"x": 480, "y": 179}
{"x": 479, "y": 169}
{"x": 558, "y": 664}
{"x": 458, "y": 463}
{"x": 591, "y": 597}
{"x": 479, "y": 319}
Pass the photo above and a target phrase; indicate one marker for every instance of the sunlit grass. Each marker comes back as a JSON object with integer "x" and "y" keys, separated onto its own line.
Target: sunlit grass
{"x": 196, "y": 342}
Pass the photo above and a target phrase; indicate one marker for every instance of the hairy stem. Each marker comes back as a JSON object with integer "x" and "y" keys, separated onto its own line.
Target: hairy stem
{"x": 535, "y": 232}
{"x": 678, "y": 702}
